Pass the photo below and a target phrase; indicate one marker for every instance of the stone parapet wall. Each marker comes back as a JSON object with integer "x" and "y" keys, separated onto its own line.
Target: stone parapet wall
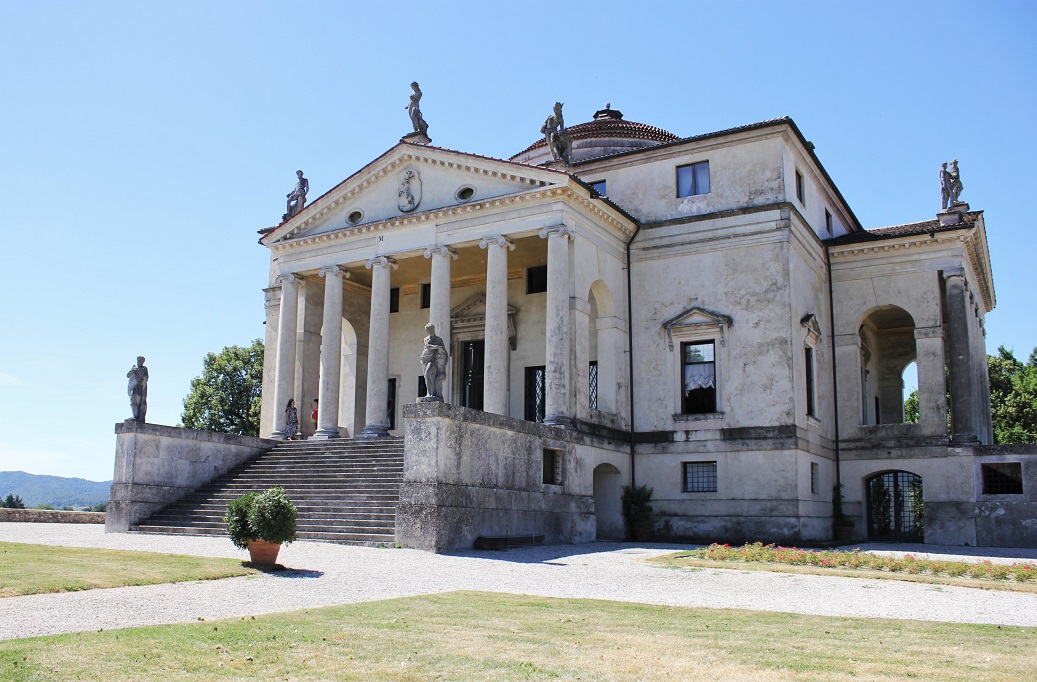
{"x": 157, "y": 465}
{"x": 49, "y": 516}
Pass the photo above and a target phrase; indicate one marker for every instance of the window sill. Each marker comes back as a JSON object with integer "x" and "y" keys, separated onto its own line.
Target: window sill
{"x": 706, "y": 416}
{"x": 813, "y": 421}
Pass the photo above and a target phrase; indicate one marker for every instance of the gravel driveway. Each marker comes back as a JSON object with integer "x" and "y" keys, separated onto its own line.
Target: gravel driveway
{"x": 327, "y": 574}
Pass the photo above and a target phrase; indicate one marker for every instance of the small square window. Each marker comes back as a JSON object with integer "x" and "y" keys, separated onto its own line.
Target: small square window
{"x": 800, "y": 190}
{"x": 394, "y": 300}
{"x": 536, "y": 279}
{"x": 828, "y": 222}
{"x": 693, "y": 179}
{"x": 813, "y": 478}
{"x": 700, "y": 477}
{"x": 598, "y": 187}
{"x": 1004, "y": 478}
{"x": 426, "y": 295}
{"x": 552, "y": 466}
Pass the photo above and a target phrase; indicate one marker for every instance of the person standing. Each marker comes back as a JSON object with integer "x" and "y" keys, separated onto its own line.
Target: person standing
{"x": 291, "y": 427}
{"x": 313, "y": 415}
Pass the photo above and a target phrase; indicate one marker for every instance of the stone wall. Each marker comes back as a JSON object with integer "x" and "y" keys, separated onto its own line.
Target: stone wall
{"x": 157, "y": 465}
{"x": 470, "y": 474}
{"x": 49, "y": 516}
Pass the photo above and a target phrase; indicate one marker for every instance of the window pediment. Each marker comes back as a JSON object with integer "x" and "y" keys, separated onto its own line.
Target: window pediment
{"x": 468, "y": 319}
{"x": 812, "y": 329}
{"x": 697, "y": 321}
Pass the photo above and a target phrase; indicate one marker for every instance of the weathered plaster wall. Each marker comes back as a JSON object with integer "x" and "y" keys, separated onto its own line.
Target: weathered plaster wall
{"x": 157, "y": 465}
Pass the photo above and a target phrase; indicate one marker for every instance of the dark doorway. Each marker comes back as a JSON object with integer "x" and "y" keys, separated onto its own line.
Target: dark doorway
{"x": 472, "y": 356}
{"x": 895, "y": 509}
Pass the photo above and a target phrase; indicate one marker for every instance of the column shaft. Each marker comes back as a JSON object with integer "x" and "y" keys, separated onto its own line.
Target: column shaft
{"x": 378, "y": 350}
{"x": 287, "y": 331}
{"x": 439, "y": 308}
{"x": 557, "y": 408}
{"x": 330, "y": 354}
{"x": 497, "y": 351}
{"x": 963, "y": 389}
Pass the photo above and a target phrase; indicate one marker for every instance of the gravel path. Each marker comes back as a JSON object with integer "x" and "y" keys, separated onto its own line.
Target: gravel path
{"x": 327, "y": 574}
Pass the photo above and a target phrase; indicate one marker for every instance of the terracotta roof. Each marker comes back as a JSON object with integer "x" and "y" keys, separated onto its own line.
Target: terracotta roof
{"x": 609, "y": 123}
{"x": 907, "y": 230}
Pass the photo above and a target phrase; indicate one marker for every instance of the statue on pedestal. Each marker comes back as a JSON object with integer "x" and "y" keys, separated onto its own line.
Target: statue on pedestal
{"x": 297, "y": 197}
{"x": 414, "y": 111}
{"x": 950, "y": 185}
{"x": 138, "y": 389}
{"x": 558, "y": 139}
{"x": 433, "y": 360}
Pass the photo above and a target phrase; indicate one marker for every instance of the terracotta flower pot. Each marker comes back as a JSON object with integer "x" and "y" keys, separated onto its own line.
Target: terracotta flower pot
{"x": 263, "y": 552}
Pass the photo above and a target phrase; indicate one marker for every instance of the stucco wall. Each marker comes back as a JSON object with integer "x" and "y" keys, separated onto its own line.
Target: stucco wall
{"x": 157, "y": 465}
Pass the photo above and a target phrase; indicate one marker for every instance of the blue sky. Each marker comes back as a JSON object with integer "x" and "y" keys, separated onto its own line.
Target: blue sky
{"x": 143, "y": 144}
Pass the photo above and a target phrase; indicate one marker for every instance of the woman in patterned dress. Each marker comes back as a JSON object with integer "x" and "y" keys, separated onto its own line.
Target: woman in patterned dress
{"x": 291, "y": 427}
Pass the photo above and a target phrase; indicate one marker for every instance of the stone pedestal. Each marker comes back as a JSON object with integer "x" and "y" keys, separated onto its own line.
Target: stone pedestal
{"x": 416, "y": 138}
{"x": 953, "y": 215}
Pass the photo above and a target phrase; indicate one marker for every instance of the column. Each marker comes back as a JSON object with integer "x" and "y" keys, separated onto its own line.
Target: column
{"x": 439, "y": 308}
{"x": 378, "y": 349}
{"x": 287, "y": 330}
{"x": 558, "y": 379}
{"x": 963, "y": 389}
{"x": 932, "y": 381}
{"x": 495, "y": 364}
{"x": 330, "y": 353}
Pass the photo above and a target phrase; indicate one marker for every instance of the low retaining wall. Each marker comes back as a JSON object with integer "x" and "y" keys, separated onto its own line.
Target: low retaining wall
{"x": 157, "y": 465}
{"x": 50, "y": 516}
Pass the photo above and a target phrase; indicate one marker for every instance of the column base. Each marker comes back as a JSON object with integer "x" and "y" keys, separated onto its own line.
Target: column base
{"x": 277, "y": 435}
{"x": 325, "y": 434}
{"x": 374, "y": 431}
{"x": 964, "y": 439}
{"x": 560, "y": 420}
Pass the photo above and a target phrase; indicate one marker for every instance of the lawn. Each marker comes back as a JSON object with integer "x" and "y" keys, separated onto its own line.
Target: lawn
{"x": 38, "y": 569}
{"x": 482, "y": 636}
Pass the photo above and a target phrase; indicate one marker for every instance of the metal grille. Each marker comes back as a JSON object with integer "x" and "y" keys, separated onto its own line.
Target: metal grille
{"x": 700, "y": 477}
{"x": 1003, "y": 478}
{"x": 535, "y": 392}
{"x": 813, "y": 478}
{"x": 895, "y": 508}
{"x": 593, "y": 372}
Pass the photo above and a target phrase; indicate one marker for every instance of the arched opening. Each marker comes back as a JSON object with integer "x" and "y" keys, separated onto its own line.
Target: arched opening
{"x": 887, "y": 342}
{"x": 895, "y": 507}
{"x": 608, "y": 511}
{"x": 910, "y": 379}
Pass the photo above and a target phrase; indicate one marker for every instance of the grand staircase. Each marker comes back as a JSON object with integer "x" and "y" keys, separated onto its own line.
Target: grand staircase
{"x": 345, "y": 491}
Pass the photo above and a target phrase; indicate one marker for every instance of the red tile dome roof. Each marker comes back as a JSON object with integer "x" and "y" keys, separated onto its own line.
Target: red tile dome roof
{"x": 608, "y": 123}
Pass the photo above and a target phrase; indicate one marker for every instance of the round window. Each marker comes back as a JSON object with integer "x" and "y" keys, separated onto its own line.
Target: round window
{"x": 465, "y": 193}
{"x": 355, "y": 217}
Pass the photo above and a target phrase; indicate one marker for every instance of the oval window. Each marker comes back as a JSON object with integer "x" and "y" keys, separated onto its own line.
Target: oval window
{"x": 465, "y": 193}
{"x": 355, "y": 217}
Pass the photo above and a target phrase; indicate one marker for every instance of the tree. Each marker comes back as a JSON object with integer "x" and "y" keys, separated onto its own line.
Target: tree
{"x": 12, "y": 501}
{"x": 911, "y": 408}
{"x": 226, "y": 397}
{"x": 1013, "y": 397}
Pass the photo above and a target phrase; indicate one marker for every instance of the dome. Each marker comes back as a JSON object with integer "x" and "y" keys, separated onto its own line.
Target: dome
{"x": 607, "y": 134}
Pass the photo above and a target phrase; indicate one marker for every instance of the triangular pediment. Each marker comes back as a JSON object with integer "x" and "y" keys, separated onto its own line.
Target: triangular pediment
{"x": 410, "y": 180}
{"x": 812, "y": 328}
{"x": 468, "y": 318}
{"x": 697, "y": 320}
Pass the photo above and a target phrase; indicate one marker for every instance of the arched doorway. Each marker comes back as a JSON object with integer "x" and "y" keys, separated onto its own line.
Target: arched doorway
{"x": 895, "y": 509}
{"x": 608, "y": 511}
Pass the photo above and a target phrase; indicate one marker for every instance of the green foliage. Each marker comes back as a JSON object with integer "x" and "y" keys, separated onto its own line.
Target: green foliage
{"x": 911, "y": 408}
{"x": 12, "y": 501}
{"x": 45, "y": 507}
{"x": 226, "y": 397}
{"x": 99, "y": 507}
{"x": 637, "y": 509}
{"x": 1013, "y": 397}
{"x": 268, "y": 515}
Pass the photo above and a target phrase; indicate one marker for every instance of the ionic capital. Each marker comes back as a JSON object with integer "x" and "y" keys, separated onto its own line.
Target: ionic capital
{"x": 333, "y": 271}
{"x": 556, "y": 231}
{"x": 438, "y": 250}
{"x": 500, "y": 240}
{"x": 290, "y": 278}
{"x": 382, "y": 261}
{"x": 954, "y": 272}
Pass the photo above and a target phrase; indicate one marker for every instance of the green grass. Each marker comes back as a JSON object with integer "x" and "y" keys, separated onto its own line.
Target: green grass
{"x": 480, "y": 636}
{"x": 37, "y": 569}
{"x": 757, "y": 556}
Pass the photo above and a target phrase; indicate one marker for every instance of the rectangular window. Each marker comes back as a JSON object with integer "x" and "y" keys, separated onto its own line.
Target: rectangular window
{"x": 699, "y": 395}
{"x": 426, "y": 295}
{"x": 813, "y": 478}
{"x": 592, "y": 370}
{"x": 598, "y": 187}
{"x": 693, "y": 179}
{"x": 700, "y": 477}
{"x": 828, "y": 222}
{"x": 535, "y": 393}
{"x": 552, "y": 466}
{"x": 809, "y": 362}
{"x": 800, "y": 190}
{"x": 394, "y": 300}
{"x": 1005, "y": 478}
{"x": 536, "y": 279}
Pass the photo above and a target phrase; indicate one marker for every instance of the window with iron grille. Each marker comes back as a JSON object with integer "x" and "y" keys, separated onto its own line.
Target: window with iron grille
{"x": 536, "y": 279}
{"x": 593, "y": 372}
{"x": 813, "y": 478}
{"x": 535, "y": 392}
{"x": 426, "y": 295}
{"x": 1003, "y": 478}
{"x": 700, "y": 477}
{"x": 552, "y": 466}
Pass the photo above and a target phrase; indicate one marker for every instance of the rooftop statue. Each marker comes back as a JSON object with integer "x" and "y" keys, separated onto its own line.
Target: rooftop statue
{"x": 297, "y": 197}
{"x": 414, "y": 110}
{"x": 433, "y": 362}
{"x": 558, "y": 140}
{"x": 950, "y": 185}
{"x": 138, "y": 389}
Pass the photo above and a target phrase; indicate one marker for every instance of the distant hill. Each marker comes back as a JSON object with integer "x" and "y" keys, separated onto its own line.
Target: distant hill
{"x": 57, "y": 491}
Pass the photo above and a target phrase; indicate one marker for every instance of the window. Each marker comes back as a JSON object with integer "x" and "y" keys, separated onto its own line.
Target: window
{"x": 535, "y": 392}
{"x": 800, "y": 190}
{"x": 813, "y": 478}
{"x": 391, "y": 406}
{"x": 699, "y": 387}
{"x": 828, "y": 222}
{"x": 422, "y": 389}
{"x": 552, "y": 466}
{"x": 598, "y": 187}
{"x": 394, "y": 300}
{"x": 426, "y": 295}
{"x": 809, "y": 363}
{"x": 693, "y": 179}
{"x": 592, "y": 371}
{"x": 1005, "y": 478}
{"x": 700, "y": 477}
{"x": 536, "y": 279}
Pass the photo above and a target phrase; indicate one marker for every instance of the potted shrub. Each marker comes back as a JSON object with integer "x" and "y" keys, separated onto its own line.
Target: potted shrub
{"x": 261, "y": 523}
{"x": 637, "y": 511}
